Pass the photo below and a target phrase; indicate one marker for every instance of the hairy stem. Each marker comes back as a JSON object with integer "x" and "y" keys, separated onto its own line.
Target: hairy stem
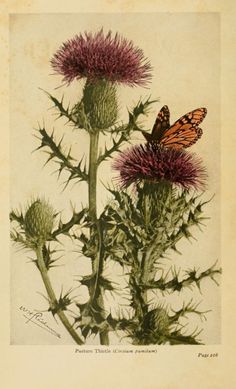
{"x": 97, "y": 264}
{"x": 52, "y": 297}
{"x": 146, "y": 263}
{"x": 93, "y": 152}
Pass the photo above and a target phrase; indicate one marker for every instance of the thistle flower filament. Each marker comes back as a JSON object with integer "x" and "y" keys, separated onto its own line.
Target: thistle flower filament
{"x": 100, "y": 56}
{"x": 154, "y": 163}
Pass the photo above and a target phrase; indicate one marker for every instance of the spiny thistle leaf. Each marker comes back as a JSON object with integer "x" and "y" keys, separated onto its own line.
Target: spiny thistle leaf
{"x": 190, "y": 307}
{"x": 62, "y": 110}
{"x": 61, "y": 305}
{"x": 107, "y": 153}
{"x": 18, "y": 238}
{"x": 91, "y": 316}
{"x": 138, "y": 229}
{"x": 47, "y": 257}
{"x": 17, "y": 216}
{"x": 176, "y": 285}
{"x": 177, "y": 338}
{"x": 154, "y": 221}
{"x": 124, "y": 132}
{"x": 63, "y": 159}
{"x": 142, "y": 108}
{"x": 76, "y": 219}
{"x": 106, "y": 284}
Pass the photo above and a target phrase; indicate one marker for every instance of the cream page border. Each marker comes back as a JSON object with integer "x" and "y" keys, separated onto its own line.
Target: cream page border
{"x": 61, "y": 367}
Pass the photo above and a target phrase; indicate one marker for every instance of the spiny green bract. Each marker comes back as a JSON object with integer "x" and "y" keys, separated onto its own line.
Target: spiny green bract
{"x": 156, "y": 320}
{"x": 100, "y": 104}
{"x": 39, "y": 220}
{"x": 79, "y": 116}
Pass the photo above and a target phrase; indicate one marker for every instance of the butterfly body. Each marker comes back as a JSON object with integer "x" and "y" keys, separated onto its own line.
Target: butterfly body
{"x": 183, "y": 133}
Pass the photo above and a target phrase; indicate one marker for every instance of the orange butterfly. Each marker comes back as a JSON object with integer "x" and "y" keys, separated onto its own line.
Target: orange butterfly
{"x": 183, "y": 133}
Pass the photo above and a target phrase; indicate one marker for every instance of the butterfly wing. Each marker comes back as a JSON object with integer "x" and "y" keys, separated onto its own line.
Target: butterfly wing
{"x": 185, "y": 131}
{"x": 161, "y": 124}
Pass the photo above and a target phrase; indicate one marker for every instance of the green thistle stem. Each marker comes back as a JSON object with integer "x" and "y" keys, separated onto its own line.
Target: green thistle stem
{"x": 97, "y": 263}
{"x": 145, "y": 259}
{"x": 145, "y": 265}
{"x": 145, "y": 212}
{"x": 146, "y": 274}
{"x": 93, "y": 152}
{"x": 147, "y": 262}
{"x": 52, "y": 296}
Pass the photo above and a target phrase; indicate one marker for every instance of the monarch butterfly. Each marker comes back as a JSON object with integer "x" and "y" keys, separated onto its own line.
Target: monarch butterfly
{"x": 183, "y": 133}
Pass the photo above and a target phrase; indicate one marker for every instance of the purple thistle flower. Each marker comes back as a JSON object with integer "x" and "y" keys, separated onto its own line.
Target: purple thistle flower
{"x": 154, "y": 163}
{"x": 102, "y": 56}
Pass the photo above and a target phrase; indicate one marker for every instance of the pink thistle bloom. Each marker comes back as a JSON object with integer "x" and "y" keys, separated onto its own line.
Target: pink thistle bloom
{"x": 154, "y": 163}
{"x": 102, "y": 56}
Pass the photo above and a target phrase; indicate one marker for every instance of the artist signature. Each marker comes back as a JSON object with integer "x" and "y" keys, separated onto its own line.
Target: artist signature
{"x": 37, "y": 318}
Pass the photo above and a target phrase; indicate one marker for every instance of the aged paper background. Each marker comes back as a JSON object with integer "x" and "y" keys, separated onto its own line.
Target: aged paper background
{"x": 187, "y": 369}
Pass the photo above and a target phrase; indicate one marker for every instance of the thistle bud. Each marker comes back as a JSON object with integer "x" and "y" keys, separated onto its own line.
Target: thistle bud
{"x": 39, "y": 220}
{"x": 156, "y": 320}
{"x": 100, "y": 104}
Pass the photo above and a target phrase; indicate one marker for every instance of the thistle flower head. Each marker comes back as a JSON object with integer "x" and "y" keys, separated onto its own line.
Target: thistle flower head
{"x": 102, "y": 56}
{"x": 154, "y": 163}
{"x": 39, "y": 220}
{"x": 156, "y": 320}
